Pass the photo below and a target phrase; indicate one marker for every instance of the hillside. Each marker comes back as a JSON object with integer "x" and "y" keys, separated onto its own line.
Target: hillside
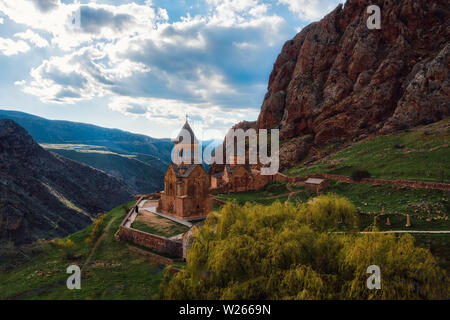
{"x": 417, "y": 154}
{"x": 141, "y": 173}
{"x": 114, "y": 272}
{"x": 337, "y": 80}
{"x": 44, "y": 195}
{"x": 66, "y": 132}
{"x": 110, "y": 269}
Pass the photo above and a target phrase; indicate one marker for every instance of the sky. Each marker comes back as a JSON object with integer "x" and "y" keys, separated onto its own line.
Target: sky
{"x": 143, "y": 65}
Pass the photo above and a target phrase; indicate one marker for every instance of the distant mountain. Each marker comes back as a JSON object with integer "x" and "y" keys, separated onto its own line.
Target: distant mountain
{"x": 66, "y": 132}
{"x": 142, "y": 174}
{"x": 43, "y": 195}
{"x": 138, "y": 160}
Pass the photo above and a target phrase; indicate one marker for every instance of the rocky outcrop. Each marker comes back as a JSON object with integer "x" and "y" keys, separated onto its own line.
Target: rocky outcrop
{"x": 338, "y": 80}
{"x": 294, "y": 150}
{"x": 43, "y": 195}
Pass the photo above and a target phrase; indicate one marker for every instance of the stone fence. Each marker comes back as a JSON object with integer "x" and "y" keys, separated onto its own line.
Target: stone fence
{"x": 219, "y": 202}
{"x": 153, "y": 257}
{"x": 397, "y": 183}
{"x": 161, "y": 244}
{"x": 155, "y": 242}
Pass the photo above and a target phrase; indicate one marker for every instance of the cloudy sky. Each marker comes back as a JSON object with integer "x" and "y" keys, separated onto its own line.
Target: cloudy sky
{"x": 142, "y": 65}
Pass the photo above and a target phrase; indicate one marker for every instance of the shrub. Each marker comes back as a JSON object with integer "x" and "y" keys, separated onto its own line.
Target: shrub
{"x": 357, "y": 175}
{"x": 67, "y": 245}
{"x": 97, "y": 227}
{"x": 283, "y": 252}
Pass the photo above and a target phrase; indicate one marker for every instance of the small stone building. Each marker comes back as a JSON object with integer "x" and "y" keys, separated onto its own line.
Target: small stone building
{"x": 186, "y": 185}
{"x": 238, "y": 178}
{"x": 316, "y": 184}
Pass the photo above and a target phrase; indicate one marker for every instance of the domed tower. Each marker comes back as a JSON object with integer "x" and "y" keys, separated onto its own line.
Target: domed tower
{"x": 186, "y": 146}
{"x": 186, "y": 183}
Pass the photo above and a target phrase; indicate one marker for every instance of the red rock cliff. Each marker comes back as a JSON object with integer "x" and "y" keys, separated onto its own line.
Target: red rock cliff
{"x": 337, "y": 79}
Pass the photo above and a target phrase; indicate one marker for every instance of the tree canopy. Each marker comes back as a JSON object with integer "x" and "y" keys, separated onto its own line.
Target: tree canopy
{"x": 292, "y": 251}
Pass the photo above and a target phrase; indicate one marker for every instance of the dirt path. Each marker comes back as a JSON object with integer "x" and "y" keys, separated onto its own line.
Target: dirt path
{"x": 58, "y": 283}
{"x": 97, "y": 243}
{"x": 408, "y": 231}
{"x": 293, "y": 193}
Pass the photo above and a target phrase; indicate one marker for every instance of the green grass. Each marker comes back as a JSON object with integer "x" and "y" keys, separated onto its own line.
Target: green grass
{"x": 421, "y": 154}
{"x": 126, "y": 275}
{"x": 369, "y": 201}
{"x": 167, "y": 228}
{"x": 373, "y": 198}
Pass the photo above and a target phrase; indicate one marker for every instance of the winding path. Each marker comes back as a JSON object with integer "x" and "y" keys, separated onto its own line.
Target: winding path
{"x": 97, "y": 243}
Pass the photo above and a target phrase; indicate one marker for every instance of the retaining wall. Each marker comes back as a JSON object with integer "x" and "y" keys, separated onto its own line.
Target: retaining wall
{"x": 153, "y": 257}
{"x": 398, "y": 183}
{"x": 152, "y": 241}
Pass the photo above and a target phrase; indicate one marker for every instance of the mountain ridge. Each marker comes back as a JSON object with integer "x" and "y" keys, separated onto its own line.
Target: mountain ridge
{"x": 46, "y": 195}
{"x": 337, "y": 80}
{"x": 68, "y": 132}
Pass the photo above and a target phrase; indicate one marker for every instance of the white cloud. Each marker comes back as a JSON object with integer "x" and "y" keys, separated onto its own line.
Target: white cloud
{"x": 2, "y": 21}
{"x": 78, "y": 76}
{"x": 98, "y": 21}
{"x": 32, "y": 37}
{"x": 10, "y": 47}
{"x": 310, "y": 10}
{"x": 207, "y": 115}
{"x": 207, "y": 64}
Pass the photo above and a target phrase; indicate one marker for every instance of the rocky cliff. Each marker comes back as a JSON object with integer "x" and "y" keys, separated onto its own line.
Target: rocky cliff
{"x": 45, "y": 195}
{"x": 338, "y": 80}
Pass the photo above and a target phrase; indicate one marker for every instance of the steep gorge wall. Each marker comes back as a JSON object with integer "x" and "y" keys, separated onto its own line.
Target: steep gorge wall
{"x": 338, "y": 80}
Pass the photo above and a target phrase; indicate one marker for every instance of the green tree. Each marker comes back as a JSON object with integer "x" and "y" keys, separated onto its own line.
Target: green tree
{"x": 290, "y": 251}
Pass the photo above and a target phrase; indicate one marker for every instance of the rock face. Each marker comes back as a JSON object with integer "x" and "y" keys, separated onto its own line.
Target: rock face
{"x": 337, "y": 79}
{"x": 294, "y": 150}
{"x": 45, "y": 195}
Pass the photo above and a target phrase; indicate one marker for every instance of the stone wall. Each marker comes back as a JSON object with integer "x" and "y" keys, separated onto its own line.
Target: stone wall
{"x": 152, "y": 257}
{"x": 219, "y": 202}
{"x": 281, "y": 177}
{"x": 152, "y": 241}
{"x": 397, "y": 183}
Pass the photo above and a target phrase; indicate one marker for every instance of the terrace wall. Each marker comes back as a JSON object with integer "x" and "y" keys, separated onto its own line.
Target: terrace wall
{"x": 397, "y": 183}
{"x": 152, "y": 241}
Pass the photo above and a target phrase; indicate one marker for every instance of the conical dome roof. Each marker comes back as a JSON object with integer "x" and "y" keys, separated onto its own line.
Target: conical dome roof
{"x": 186, "y": 128}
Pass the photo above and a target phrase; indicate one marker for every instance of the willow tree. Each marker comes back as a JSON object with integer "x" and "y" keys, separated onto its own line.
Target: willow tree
{"x": 291, "y": 251}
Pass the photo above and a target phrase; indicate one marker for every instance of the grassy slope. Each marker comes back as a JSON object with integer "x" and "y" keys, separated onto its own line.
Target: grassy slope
{"x": 421, "y": 154}
{"x": 370, "y": 201}
{"x": 126, "y": 275}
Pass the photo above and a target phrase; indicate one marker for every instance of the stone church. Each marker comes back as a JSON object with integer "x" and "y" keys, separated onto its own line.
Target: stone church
{"x": 238, "y": 177}
{"x": 186, "y": 184}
